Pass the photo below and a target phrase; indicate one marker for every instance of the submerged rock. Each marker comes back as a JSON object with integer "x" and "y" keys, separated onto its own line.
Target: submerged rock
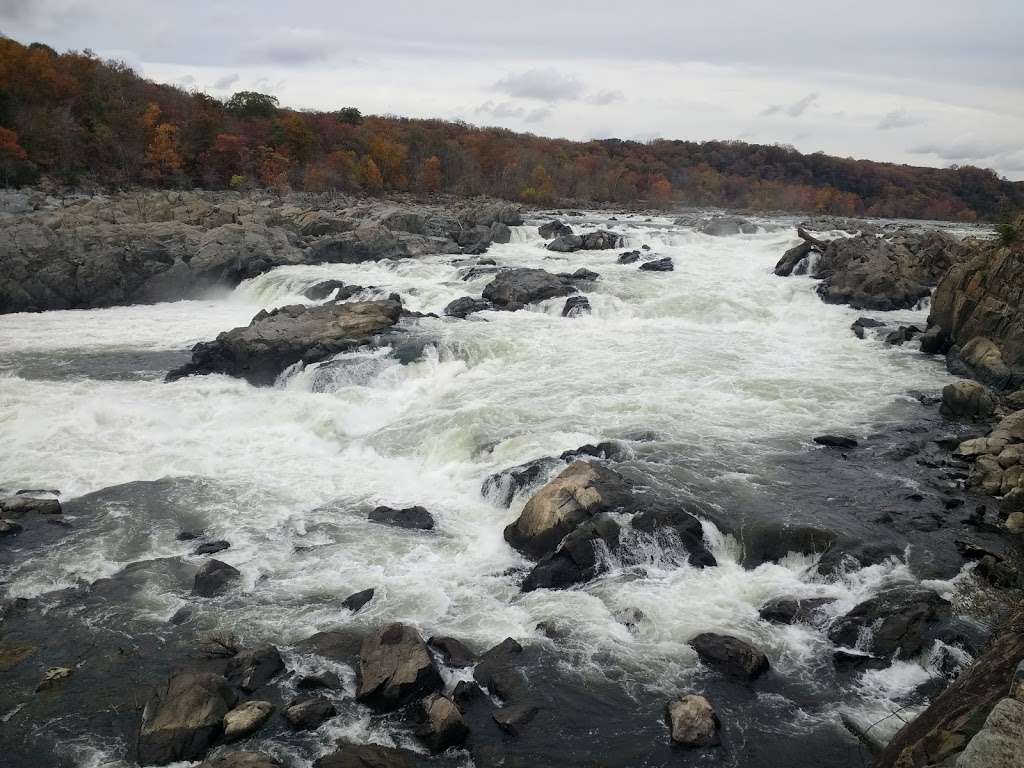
{"x": 730, "y": 655}
{"x": 514, "y": 718}
{"x": 513, "y": 289}
{"x": 213, "y": 577}
{"x": 577, "y": 558}
{"x": 415, "y": 518}
{"x": 184, "y": 719}
{"x": 394, "y": 668}
{"x": 692, "y": 722}
{"x": 836, "y": 441}
{"x": 787, "y": 610}
{"x": 581, "y": 491}
{"x": 629, "y": 257}
{"x": 275, "y": 340}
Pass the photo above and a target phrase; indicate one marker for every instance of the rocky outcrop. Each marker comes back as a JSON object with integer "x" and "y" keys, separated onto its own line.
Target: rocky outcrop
{"x": 998, "y": 462}
{"x": 580, "y": 492}
{"x": 577, "y": 558}
{"x": 576, "y": 306}
{"x": 554, "y": 229}
{"x": 182, "y": 720}
{"x": 309, "y": 713}
{"x": 961, "y": 712}
{"x": 730, "y": 655}
{"x": 792, "y": 261}
{"x": 442, "y": 725}
{"x": 513, "y": 289}
{"x": 275, "y": 340}
{"x": 692, "y": 722}
{"x": 982, "y": 297}
{"x": 395, "y": 667}
{"x": 497, "y": 671}
{"x": 966, "y": 400}
{"x": 375, "y": 243}
{"x": 870, "y": 272}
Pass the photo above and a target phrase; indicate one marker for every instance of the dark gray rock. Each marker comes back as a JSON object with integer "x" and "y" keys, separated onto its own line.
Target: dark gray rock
{"x": 213, "y": 577}
{"x": 394, "y": 668}
{"x": 322, "y": 289}
{"x": 681, "y": 527}
{"x": 720, "y": 226}
{"x": 241, "y": 760}
{"x": 497, "y": 671}
{"x": 414, "y": 518}
{"x": 575, "y": 306}
{"x": 357, "y": 600}
{"x": 466, "y": 306}
{"x": 309, "y": 713}
{"x": 500, "y": 233}
{"x": 252, "y": 669}
{"x": 658, "y": 265}
{"x": 629, "y": 257}
{"x": 730, "y": 655}
{"x": 566, "y": 244}
{"x": 442, "y": 726}
{"x": 899, "y": 619}
{"x": 366, "y": 756}
{"x": 787, "y": 610}
{"x": 554, "y": 229}
{"x": 325, "y": 679}
{"x": 514, "y": 288}
{"x": 453, "y": 652}
{"x": 577, "y": 558}
{"x": 513, "y": 719}
{"x": 184, "y": 718}
{"x": 212, "y": 547}
{"x": 836, "y": 441}
{"x": 601, "y": 240}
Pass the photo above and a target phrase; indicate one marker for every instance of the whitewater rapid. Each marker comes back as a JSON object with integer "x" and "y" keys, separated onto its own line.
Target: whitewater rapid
{"x": 719, "y": 365}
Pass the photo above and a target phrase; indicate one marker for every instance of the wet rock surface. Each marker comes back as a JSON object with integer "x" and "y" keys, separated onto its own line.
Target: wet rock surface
{"x": 395, "y": 666}
{"x": 515, "y": 288}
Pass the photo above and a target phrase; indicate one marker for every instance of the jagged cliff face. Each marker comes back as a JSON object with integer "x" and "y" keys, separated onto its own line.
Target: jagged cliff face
{"x": 982, "y": 298}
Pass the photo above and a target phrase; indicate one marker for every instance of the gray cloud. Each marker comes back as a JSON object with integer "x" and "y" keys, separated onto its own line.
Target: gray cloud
{"x": 541, "y": 84}
{"x": 898, "y": 118}
{"x": 966, "y": 148}
{"x": 501, "y": 109}
{"x": 539, "y": 115}
{"x": 16, "y": 9}
{"x": 295, "y": 46}
{"x": 795, "y": 109}
{"x": 225, "y": 82}
{"x": 603, "y": 98}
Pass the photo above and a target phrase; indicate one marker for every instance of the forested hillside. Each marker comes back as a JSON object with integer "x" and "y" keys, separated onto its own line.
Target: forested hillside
{"x": 77, "y": 119}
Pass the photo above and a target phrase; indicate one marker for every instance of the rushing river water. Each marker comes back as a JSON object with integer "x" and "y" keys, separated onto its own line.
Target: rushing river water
{"x": 719, "y": 366}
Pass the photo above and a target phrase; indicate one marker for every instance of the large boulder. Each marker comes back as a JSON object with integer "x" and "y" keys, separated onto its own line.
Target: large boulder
{"x": 442, "y": 725}
{"x": 692, "y": 722}
{"x": 16, "y": 507}
{"x": 730, "y": 655}
{"x": 966, "y": 400}
{"x": 497, "y": 671}
{"x": 580, "y": 492}
{"x": 366, "y": 756}
{"x": 1000, "y": 742}
{"x": 982, "y": 296}
{"x": 374, "y": 243}
{"x": 514, "y": 288}
{"x": 182, "y": 720}
{"x": 395, "y": 667}
{"x": 982, "y": 359}
{"x": 601, "y": 240}
{"x": 577, "y": 558}
{"x": 309, "y": 713}
{"x": 241, "y": 760}
{"x": 275, "y": 340}
{"x": 246, "y": 718}
{"x": 791, "y": 260}
{"x": 566, "y": 243}
{"x": 895, "y": 621}
{"x": 676, "y": 528}
{"x": 554, "y": 229}
{"x": 254, "y": 668}
{"x": 213, "y": 577}
{"x": 415, "y": 518}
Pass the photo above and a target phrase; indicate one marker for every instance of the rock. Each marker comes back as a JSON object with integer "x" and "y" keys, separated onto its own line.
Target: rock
{"x": 836, "y": 441}
{"x": 980, "y": 296}
{"x": 188, "y": 535}
{"x": 275, "y": 340}
{"x": 184, "y": 719}
{"x": 658, "y": 265}
{"x": 373, "y": 243}
{"x": 325, "y": 679}
{"x": 730, "y": 655}
{"x": 792, "y": 261}
{"x": 357, "y": 600}
{"x": 496, "y": 671}
{"x": 575, "y": 306}
{"x": 682, "y": 528}
{"x": 565, "y": 244}
{"x": 17, "y": 507}
{"x": 246, "y": 718}
{"x": 442, "y": 726}
{"x": 307, "y": 714}
{"x": 935, "y": 341}
{"x": 500, "y": 233}
{"x": 1000, "y": 743}
{"x": 945, "y": 727}
{"x": 629, "y": 257}
{"x": 554, "y": 229}
{"x": 861, "y": 323}
{"x": 512, "y": 289}
{"x": 514, "y": 718}
{"x": 214, "y": 577}
{"x": 252, "y": 669}
{"x": 322, "y": 289}
{"x": 54, "y": 676}
{"x": 218, "y": 645}
{"x": 982, "y": 359}
{"x": 966, "y": 400}
{"x": 452, "y": 652}
{"x": 466, "y": 306}
{"x": 414, "y": 518}
{"x": 999, "y": 573}
{"x": 692, "y": 722}
{"x": 785, "y": 610}
{"x": 1011, "y": 504}
{"x": 582, "y": 275}
{"x": 466, "y": 694}
{"x": 1015, "y": 400}
{"x": 394, "y": 668}
{"x": 601, "y": 240}
{"x": 9, "y": 527}
{"x": 338, "y": 644}
{"x": 240, "y": 760}
{"x": 720, "y": 226}
{"x": 212, "y": 547}
{"x": 581, "y": 491}
{"x": 1015, "y": 523}
{"x": 631, "y": 618}
{"x": 366, "y": 756}
{"x": 899, "y": 619}
{"x": 502, "y": 487}
{"x": 577, "y": 558}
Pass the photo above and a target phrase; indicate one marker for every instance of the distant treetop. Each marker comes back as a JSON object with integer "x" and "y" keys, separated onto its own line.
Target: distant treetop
{"x": 252, "y": 104}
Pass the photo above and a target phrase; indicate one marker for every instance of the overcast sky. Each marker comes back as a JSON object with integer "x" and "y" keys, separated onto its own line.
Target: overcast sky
{"x": 927, "y": 83}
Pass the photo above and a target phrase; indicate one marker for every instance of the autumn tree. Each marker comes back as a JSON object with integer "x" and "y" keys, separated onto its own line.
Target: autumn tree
{"x": 370, "y": 177}
{"x": 252, "y": 104}
{"x": 429, "y": 178}
{"x": 163, "y": 158}
{"x": 15, "y": 167}
{"x": 541, "y": 190}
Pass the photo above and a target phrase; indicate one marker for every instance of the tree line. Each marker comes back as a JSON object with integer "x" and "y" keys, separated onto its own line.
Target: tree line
{"x": 77, "y": 119}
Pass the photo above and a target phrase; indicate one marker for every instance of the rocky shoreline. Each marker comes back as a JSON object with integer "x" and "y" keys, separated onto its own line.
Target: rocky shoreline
{"x": 189, "y": 693}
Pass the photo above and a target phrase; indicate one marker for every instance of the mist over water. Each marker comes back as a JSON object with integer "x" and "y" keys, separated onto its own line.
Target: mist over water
{"x": 718, "y": 365}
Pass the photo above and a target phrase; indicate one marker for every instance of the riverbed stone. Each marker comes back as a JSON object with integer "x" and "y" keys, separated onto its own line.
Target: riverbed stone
{"x": 692, "y": 722}
{"x": 413, "y": 518}
{"x": 213, "y": 577}
{"x": 395, "y": 667}
{"x": 730, "y": 655}
{"x": 442, "y": 725}
{"x": 309, "y": 713}
{"x": 241, "y": 760}
{"x": 899, "y": 619}
{"x": 184, "y": 718}
{"x": 254, "y": 668}
{"x": 513, "y": 289}
{"x": 366, "y": 756}
{"x": 246, "y": 718}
